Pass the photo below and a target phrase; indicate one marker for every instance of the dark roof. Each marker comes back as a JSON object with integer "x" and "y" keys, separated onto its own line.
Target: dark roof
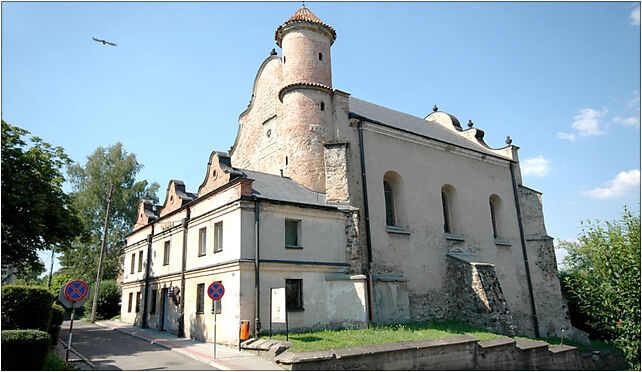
{"x": 413, "y": 124}
{"x": 273, "y": 187}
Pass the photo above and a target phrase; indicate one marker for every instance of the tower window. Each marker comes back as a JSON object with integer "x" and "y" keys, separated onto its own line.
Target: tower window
{"x": 284, "y": 59}
{"x": 322, "y": 105}
{"x": 286, "y": 161}
{"x": 446, "y": 211}
{"x": 320, "y": 56}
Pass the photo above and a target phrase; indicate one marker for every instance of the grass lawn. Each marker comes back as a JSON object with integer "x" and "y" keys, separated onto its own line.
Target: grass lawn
{"x": 381, "y": 334}
{"x": 53, "y": 363}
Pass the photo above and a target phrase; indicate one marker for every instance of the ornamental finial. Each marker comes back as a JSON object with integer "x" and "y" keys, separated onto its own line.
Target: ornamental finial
{"x": 470, "y": 123}
{"x": 435, "y": 108}
{"x": 508, "y": 140}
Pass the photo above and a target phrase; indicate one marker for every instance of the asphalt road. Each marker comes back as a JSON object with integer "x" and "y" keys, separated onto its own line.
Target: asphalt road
{"x": 113, "y": 350}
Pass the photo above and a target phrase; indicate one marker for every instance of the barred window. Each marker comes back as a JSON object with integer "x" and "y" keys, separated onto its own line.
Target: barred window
{"x": 202, "y": 236}
{"x": 200, "y": 293}
{"x": 294, "y": 294}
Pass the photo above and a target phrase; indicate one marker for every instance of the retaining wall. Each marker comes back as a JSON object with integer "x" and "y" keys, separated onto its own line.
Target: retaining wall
{"x": 463, "y": 352}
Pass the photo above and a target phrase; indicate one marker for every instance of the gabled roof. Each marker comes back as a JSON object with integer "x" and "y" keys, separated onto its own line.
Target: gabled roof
{"x": 413, "y": 124}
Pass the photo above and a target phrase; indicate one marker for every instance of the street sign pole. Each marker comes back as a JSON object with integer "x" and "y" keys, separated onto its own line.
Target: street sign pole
{"x": 215, "y": 306}
{"x": 71, "y": 327}
{"x": 215, "y": 291}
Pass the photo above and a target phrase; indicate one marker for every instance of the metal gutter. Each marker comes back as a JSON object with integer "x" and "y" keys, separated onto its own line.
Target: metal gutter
{"x": 523, "y": 241}
{"x": 147, "y": 268}
{"x": 181, "y": 317}
{"x": 257, "y": 261}
{"x": 366, "y": 212}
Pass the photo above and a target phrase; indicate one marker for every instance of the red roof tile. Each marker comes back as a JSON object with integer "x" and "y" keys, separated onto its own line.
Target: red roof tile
{"x": 304, "y": 15}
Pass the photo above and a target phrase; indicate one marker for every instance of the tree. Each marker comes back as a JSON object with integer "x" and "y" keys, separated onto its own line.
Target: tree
{"x": 36, "y": 213}
{"x": 90, "y": 185}
{"x": 603, "y": 280}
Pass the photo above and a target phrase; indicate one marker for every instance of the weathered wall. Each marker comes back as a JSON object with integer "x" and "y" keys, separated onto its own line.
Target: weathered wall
{"x": 552, "y": 310}
{"x": 476, "y": 296}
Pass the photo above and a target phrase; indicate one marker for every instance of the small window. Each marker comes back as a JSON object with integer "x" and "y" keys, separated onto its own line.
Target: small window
{"x": 322, "y": 106}
{"x": 320, "y": 56}
{"x": 166, "y": 254}
{"x": 152, "y": 305}
{"x": 293, "y": 294}
{"x": 292, "y": 228}
{"x": 129, "y": 302}
{"x": 218, "y": 236}
{"x": 493, "y": 219}
{"x": 200, "y": 293}
{"x": 217, "y": 305}
{"x": 286, "y": 161}
{"x": 390, "y": 207}
{"x": 283, "y": 59}
{"x": 133, "y": 265}
{"x": 446, "y": 211}
{"x": 140, "y": 261}
{"x": 495, "y": 204}
{"x": 137, "y": 301}
{"x": 202, "y": 236}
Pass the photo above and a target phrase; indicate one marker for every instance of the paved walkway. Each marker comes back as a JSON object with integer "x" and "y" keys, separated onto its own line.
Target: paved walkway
{"x": 227, "y": 358}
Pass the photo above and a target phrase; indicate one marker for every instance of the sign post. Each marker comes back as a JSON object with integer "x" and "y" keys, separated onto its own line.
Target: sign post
{"x": 72, "y": 295}
{"x": 215, "y": 291}
{"x": 278, "y": 311}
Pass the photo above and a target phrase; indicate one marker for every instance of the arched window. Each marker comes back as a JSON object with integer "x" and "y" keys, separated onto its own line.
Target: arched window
{"x": 322, "y": 106}
{"x": 446, "y": 211}
{"x": 320, "y": 56}
{"x": 390, "y": 207}
{"x": 495, "y": 215}
{"x": 449, "y": 209}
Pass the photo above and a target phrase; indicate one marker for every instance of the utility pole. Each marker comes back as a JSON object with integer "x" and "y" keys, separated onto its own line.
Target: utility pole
{"x": 53, "y": 251}
{"x": 102, "y": 254}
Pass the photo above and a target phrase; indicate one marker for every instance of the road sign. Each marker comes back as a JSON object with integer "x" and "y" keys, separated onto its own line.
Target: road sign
{"x": 74, "y": 293}
{"x": 216, "y": 290}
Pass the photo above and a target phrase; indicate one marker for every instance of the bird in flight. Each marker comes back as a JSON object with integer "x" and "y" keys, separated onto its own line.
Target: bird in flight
{"x": 104, "y": 42}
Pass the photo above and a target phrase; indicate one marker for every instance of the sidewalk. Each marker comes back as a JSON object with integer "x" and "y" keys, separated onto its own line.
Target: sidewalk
{"x": 227, "y": 358}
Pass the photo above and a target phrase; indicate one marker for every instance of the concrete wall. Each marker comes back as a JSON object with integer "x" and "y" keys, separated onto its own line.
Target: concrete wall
{"x": 462, "y": 352}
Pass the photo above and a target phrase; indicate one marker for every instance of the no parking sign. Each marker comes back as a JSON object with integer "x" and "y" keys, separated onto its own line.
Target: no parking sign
{"x": 72, "y": 295}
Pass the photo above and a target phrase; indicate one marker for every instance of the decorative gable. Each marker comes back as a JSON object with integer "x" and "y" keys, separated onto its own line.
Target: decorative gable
{"x": 176, "y": 197}
{"x": 219, "y": 172}
{"x": 146, "y": 213}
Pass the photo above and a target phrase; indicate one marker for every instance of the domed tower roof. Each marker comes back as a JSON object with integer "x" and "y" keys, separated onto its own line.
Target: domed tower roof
{"x": 304, "y": 15}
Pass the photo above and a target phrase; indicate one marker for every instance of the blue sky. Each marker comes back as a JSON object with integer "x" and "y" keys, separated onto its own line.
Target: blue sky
{"x": 562, "y": 79}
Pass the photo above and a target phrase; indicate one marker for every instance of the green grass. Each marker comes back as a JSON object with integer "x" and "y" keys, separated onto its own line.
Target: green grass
{"x": 381, "y": 334}
{"x": 53, "y": 363}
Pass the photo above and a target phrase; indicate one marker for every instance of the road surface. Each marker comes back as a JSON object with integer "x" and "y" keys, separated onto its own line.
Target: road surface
{"x": 113, "y": 350}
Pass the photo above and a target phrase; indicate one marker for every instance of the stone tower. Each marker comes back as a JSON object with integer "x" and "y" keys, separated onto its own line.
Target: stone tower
{"x": 306, "y": 96}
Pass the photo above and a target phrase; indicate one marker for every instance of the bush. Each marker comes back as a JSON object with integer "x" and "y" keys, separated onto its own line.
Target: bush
{"x": 25, "y": 307}
{"x": 108, "y": 304}
{"x": 57, "y": 316}
{"x": 602, "y": 282}
{"x": 24, "y": 349}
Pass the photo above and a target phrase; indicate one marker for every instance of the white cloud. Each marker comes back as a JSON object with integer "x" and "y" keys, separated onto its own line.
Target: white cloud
{"x": 635, "y": 101}
{"x": 538, "y": 166}
{"x": 631, "y": 121}
{"x": 587, "y": 122}
{"x": 567, "y": 136}
{"x": 635, "y": 16}
{"x": 623, "y": 184}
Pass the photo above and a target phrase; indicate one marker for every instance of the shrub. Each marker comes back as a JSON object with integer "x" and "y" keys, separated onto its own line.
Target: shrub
{"x": 24, "y": 349}
{"x": 108, "y": 304}
{"x": 57, "y": 316}
{"x": 603, "y": 281}
{"x": 25, "y": 307}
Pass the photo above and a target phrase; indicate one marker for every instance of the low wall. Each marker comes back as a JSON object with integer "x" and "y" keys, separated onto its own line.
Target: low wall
{"x": 463, "y": 352}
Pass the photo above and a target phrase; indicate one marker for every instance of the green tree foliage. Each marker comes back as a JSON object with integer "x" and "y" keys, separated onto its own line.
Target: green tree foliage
{"x": 603, "y": 280}
{"x": 108, "y": 304}
{"x": 57, "y": 317}
{"x": 90, "y": 184}
{"x": 36, "y": 213}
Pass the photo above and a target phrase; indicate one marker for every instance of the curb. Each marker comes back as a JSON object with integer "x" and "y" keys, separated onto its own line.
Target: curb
{"x": 84, "y": 358}
{"x": 216, "y": 363}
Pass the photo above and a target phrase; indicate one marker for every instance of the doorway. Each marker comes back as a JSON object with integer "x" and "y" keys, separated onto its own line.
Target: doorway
{"x": 164, "y": 309}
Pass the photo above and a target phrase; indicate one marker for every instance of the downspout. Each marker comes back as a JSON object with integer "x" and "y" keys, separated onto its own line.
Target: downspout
{"x": 147, "y": 269}
{"x": 367, "y": 219}
{"x": 523, "y": 241}
{"x": 181, "y": 317}
{"x": 257, "y": 284}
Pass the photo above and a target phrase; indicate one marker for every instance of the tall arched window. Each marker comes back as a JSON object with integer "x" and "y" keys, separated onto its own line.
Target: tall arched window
{"x": 390, "y": 207}
{"x": 449, "y": 209}
{"x": 446, "y": 211}
{"x": 495, "y": 215}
